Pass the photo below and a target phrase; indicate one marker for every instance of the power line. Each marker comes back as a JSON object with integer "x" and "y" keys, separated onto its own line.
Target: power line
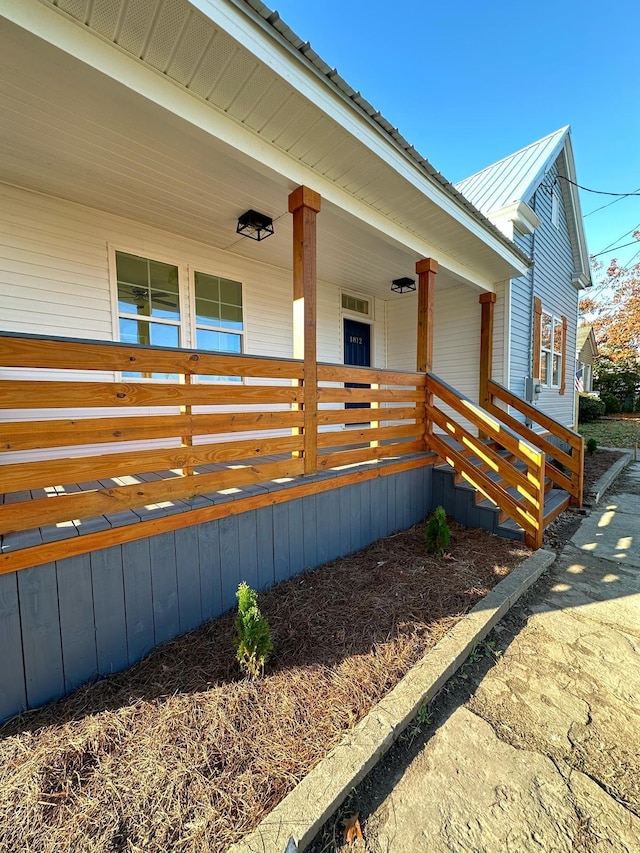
{"x": 631, "y": 231}
{"x": 608, "y": 204}
{"x": 599, "y": 192}
{"x": 615, "y": 248}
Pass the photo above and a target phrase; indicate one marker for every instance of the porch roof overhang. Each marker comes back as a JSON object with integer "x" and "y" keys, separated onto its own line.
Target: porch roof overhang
{"x": 92, "y": 121}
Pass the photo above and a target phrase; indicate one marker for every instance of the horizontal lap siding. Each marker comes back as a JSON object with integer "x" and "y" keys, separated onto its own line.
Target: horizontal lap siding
{"x": 551, "y": 277}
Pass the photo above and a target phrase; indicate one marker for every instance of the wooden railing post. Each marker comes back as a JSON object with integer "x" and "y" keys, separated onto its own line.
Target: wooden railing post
{"x": 487, "y": 301}
{"x": 426, "y": 269}
{"x": 304, "y": 204}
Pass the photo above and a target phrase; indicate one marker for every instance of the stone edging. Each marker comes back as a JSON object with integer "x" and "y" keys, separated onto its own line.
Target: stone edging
{"x": 305, "y": 809}
{"x": 600, "y": 486}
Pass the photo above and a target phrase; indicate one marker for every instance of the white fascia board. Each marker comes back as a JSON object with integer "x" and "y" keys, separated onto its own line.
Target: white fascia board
{"x": 584, "y": 272}
{"x": 516, "y": 215}
{"x": 49, "y": 25}
{"x": 263, "y": 43}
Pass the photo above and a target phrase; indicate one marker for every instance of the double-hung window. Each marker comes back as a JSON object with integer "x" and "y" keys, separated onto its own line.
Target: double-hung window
{"x": 550, "y": 344}
{"x": 153, "y": 299}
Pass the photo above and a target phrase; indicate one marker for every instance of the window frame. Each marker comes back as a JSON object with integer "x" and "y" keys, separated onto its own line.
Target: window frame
{"x": 186, "y": 325}
{"x": 546, "y": 354}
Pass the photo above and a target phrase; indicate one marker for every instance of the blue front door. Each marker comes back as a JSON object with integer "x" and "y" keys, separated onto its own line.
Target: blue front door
{"x": 357, "y": 351}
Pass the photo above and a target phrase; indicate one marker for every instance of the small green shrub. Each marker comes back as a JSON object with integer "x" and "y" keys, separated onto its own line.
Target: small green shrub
{"x": 611, "y": 404}
{"x": 592, "y": 446}
{"x": 437, "y": 533}
{"x": 590, "y": 408}
{"x": 253, "y": 636}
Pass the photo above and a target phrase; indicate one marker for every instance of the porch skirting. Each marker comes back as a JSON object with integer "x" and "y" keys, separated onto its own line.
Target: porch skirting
{"x": 84, "y": 617}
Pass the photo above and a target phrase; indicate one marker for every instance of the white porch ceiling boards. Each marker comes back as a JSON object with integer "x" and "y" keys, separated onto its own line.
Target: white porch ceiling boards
{"x": 166, "y": 172}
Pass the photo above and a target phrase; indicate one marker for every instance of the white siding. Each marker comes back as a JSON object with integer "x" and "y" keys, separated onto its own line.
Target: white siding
{"x": 54, "y": 280}
{"x": 550, "y": 279}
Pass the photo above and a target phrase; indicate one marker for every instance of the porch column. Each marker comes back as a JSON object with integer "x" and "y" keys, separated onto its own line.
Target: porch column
{"x": 304, "y": 204}
{"x": 426, "y": 268}
{"x": 487, "y": 301}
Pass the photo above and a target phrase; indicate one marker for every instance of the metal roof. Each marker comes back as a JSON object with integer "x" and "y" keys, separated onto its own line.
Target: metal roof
{"x": 513, "y": 178}
{"x": 332, "y": 77}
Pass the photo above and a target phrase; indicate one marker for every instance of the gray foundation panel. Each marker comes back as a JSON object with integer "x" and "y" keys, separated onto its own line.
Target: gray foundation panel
{"x": 68, "y": 623}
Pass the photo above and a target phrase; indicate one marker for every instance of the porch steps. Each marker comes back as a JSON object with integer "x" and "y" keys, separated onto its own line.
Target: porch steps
{"x": 469, "y": 507}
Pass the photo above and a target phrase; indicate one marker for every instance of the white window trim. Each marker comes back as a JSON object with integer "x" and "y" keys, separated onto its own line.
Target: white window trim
{"x": 555, "y": 321}
{"x": 193, "y": 269}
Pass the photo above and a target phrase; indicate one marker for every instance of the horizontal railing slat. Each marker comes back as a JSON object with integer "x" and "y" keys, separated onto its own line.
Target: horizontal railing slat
{"x": 368, "y": 375}
{"x": 74, "y": 354}
{"x": 357, "y": 436}
{"x": 357, "y": 416}
{"x": 31, "y": 435}
{"x": 368, "y": 454}
{"x": 370, "y": 395}
{"x": 38, "y": 394}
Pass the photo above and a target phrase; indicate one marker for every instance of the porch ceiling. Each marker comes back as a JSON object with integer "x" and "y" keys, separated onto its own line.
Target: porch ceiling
{"x": 70, "y": 131}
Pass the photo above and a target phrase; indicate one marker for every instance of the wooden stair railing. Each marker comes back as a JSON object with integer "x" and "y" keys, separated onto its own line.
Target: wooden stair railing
{"x": 522, "y": 471}
{"x": 573, "y": 483}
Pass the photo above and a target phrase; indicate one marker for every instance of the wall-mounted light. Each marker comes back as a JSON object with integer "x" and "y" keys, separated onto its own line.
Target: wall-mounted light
{"x": 403, "y": 285}
{"x": 254, "y": 225}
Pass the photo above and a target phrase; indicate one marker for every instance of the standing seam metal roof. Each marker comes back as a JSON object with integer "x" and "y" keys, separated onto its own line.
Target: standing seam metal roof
{"x": 331, "y": 74}
{"x": 512, "y": 178}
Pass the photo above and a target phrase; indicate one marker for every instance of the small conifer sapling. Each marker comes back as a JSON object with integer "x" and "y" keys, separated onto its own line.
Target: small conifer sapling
{"x": 592, "y": 446}
{"x": 437, "y": 533}
{"x": 253, "y": 636}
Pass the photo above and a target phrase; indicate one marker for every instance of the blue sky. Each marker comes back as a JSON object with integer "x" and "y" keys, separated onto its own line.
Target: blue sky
{"x": 468, "y": 83}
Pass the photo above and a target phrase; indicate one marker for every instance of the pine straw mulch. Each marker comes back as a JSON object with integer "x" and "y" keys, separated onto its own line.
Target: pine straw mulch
{"x": 179, "y": 754}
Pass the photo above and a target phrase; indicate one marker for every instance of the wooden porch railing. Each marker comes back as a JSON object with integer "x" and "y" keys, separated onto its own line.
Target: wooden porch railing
{"x": 251, "y": 431}
{"x": 517, "y": 484}
{"x": 573, "y": 462}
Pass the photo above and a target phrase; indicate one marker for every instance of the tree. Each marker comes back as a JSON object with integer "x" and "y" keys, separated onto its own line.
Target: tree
{"x": 613, "y": 309}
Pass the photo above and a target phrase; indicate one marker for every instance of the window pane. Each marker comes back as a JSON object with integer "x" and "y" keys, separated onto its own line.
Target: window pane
{"x": 557, "y": 362}
{"x": 230, "y": 292}
{"x": 165, "y": 303}
{"x": 546, "y": 327}
{"x": 132, "y": 270}
{"x": 207, "y": 287}
{"x": 557, "y": 336}
{"x": 231, "y": 317}
{"x": 544, "y": 361}
{"x": 143, "y": 332}
{"x": 207, "y": 312}
{"x": 147, "y": 288}
{"x": 219, "y": 341}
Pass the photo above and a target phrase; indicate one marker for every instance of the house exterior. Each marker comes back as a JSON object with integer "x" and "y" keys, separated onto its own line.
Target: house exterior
{"x": 183, "y": 407}
{"x": 586, "y": 354}
{"x": 532, "y": 196}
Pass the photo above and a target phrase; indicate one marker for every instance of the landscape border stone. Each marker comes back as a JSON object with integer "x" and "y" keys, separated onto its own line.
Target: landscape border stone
{"x": 305, "y": 809}
{"x": 601, "y": 485}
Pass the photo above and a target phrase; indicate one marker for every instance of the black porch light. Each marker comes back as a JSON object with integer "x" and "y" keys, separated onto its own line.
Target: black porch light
{"x": 403, "y": 285}
{"x": 254, "y": 225}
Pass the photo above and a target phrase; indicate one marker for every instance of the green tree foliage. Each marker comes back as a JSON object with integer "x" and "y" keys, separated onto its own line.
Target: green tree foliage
{"x": 253, "y": 636}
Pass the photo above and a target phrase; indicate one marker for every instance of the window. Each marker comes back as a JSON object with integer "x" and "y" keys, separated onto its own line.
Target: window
{"x": 355, "y": 304}
{"x": 152, "y": 308}
{"x": 555, "y": 208}
{"x": 550, "y": 334}
{"x": 219, "y": 325}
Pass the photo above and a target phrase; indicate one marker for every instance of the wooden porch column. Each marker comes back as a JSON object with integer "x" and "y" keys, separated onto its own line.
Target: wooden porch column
{"x": 487, "y": 301}
{"x": 426, "y": 268}
{"x": 304, "y": 204}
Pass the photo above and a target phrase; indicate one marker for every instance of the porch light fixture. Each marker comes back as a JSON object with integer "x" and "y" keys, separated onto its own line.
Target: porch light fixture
{"x": 254, "y": 225}
{"x": 403, "y": 285}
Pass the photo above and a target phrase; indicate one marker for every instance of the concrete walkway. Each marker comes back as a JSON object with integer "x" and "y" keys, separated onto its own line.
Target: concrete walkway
{"x": 545, "y": 756}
